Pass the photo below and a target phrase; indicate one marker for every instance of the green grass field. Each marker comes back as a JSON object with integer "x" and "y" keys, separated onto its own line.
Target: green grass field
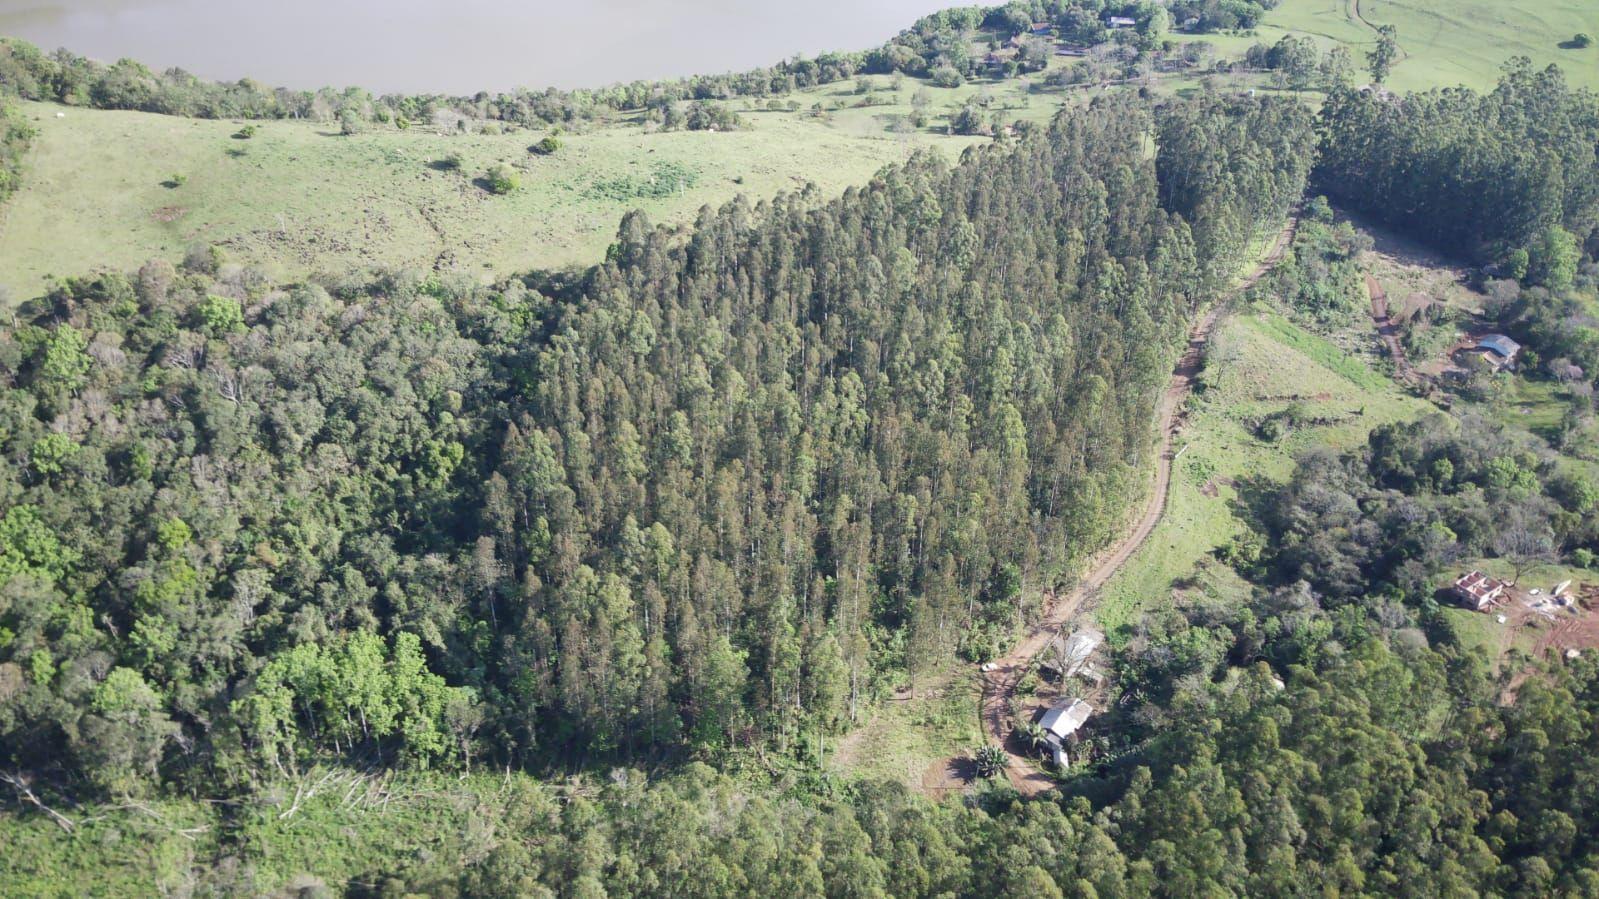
{"x": 99, "y": 192}
{"x": 906, "y": 735}
{"x": 1446, "y": 42}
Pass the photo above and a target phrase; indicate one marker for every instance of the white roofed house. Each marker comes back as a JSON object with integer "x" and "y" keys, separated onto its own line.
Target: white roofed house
{"x": 1062, "y": 722}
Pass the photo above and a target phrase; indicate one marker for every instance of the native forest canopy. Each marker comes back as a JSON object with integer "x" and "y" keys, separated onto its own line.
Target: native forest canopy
{"x": 669, "y": 575}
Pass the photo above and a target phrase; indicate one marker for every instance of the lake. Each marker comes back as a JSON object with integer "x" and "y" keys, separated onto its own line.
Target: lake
{"x": 460, "y": 46}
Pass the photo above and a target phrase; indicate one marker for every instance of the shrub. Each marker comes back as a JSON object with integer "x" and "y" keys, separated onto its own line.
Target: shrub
{"x": 502, "y": 179}
{"x": 1581, "y": 39}
{"x": 546, "y": 146}
{"x": 245, "y": 133}
{"x": 947, "y": 76}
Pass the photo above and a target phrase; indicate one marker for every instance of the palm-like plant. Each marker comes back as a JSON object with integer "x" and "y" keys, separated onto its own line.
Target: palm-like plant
{"x": 1034, "y": 735}
{"x": 990, "y": 760}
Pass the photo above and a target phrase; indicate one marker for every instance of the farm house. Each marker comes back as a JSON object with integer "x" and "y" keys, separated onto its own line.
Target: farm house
{"x": 1063, "y": 721}
{"x": 1478, "y": 591}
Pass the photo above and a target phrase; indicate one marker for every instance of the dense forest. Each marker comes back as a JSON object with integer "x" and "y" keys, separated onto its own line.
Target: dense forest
{"x": 938, "y": 46}
{"x": 1508, "y": 177}
{"x": 734, "y": 484}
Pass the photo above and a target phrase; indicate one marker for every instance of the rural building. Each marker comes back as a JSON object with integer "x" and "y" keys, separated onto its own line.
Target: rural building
{"x": 1039, "y": 29}
{"x": 1064, "y": 720}
{"x": 1478, "y": 591}
{"x": 1498, "y": 350}
{"x": 998, "y": 58}
{"x": 1122, "y": 22}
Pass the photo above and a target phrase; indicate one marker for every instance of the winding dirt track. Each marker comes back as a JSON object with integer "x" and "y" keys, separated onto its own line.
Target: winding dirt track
{"x": 999, "y": 684}
{"x": 1354, "y": 14}
{"x": 1381, "y": 317}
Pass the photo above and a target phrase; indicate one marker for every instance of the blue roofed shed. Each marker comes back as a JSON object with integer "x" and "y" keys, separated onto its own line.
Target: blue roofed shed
{"x": 1500, "y": 344}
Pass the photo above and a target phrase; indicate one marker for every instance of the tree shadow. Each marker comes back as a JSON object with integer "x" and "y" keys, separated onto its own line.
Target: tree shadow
{"x": 171, "y": 184}
{"x": 443, "y": 165}
{"x": 1571, "y": 43}
{"x": 963, "y": 769}
{"x": 1255, "y": 499}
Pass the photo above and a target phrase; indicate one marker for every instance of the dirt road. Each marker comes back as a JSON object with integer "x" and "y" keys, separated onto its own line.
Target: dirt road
{"x": 1385, "y": 329}
{"x": 999, "y": 684}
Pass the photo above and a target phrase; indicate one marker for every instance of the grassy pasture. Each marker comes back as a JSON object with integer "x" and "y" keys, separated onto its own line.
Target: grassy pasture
{"x": 297, "y": 197}
{"x": 1446, "y": 42}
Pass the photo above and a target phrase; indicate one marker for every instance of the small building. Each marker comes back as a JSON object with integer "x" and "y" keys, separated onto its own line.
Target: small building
{"x": 1122, "y": 22}
{"x": 1039, "y": 29}
{"x": 1064, "y": 720}
{"x": 1499, "y": 351}
{"x": 1478, "y": 591}
{"x": 998, "y": 58}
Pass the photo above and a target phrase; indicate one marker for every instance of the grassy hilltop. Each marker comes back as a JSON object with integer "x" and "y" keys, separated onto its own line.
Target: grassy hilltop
{"x": 299, "y": 197}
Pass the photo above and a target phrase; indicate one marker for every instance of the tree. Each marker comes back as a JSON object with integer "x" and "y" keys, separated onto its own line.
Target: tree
{"x": 1380, "y": 60}
{"x": 1337, "y": 67}
{"x": 1552, "y": 261}
{"x": 1523, "y": 538}
{"x": 221, "y": 316}
{"x": 969, "y": 120}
